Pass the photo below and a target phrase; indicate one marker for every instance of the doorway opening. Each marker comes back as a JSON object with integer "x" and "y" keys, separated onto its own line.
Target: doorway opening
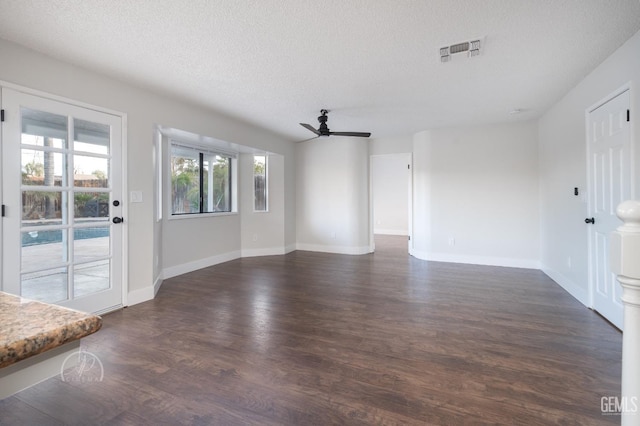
{"x": 391, "y": 207}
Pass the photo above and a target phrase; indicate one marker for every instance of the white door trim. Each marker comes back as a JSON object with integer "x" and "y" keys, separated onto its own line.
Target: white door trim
{"x": 125, "y": 204}
{"x": 58, "y": 98}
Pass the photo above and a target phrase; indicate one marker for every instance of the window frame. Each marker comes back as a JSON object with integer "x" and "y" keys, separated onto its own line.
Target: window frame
{"x": 159, "y": 184}
{"x": 266, "y": 183}
{"x": 204, "y": 155}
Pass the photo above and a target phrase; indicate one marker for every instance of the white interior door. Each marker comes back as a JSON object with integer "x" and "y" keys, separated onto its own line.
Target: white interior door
{"x": 609, "y": 154}
{"x": 62, "y": 191}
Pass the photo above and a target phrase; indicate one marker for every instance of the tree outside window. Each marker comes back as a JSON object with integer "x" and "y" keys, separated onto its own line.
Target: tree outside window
{"x": 200, "y": 182}
{"x": 260, "y": 203}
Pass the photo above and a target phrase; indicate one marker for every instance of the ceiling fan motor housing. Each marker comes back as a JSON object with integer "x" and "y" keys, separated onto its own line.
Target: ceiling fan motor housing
{"x": 323, "y": 129}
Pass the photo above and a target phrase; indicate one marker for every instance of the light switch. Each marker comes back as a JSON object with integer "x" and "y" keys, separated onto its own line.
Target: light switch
{"x": 135, "y": 196}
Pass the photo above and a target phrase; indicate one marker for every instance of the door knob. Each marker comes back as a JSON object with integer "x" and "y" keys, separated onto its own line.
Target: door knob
{"x": 589, "y": 220}
{"x": 118, "y": 220}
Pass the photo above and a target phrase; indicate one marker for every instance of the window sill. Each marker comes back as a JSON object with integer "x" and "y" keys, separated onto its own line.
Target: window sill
{"x": 200, "y": 215}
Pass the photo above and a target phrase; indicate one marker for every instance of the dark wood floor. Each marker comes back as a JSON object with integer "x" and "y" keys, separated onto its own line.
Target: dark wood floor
{"x": 318, "y": 339}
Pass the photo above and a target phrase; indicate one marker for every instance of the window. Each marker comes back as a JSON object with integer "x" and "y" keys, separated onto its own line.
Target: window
{"x": 200, "y": 180}
{"x": 260, "y": 183}
{"x": 157, "y": 151}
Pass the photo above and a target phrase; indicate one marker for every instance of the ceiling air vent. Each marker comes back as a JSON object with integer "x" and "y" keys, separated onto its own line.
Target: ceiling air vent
{"x": 471, "y": 47}
{"x": 460, "y": 47}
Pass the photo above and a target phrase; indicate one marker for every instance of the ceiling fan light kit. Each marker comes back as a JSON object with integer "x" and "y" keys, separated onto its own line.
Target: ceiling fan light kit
{"x": 323, "y": 129}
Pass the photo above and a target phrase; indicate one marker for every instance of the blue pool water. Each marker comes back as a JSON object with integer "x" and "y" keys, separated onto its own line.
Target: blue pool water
{"x": 47, "y": 237}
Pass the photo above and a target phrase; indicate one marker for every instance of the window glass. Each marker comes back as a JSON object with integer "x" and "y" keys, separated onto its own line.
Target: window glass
{"x": 217, "y": 198}
{"x": 260, "y": 183}
{"x": 200, "y": 181}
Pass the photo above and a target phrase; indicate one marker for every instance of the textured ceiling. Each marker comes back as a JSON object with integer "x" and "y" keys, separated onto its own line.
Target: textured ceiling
{"x": 374, "y": 63}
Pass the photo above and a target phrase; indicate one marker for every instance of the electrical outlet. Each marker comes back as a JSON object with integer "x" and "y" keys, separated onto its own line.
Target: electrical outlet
{"x": 333, "y": 235}
{"x": 255, "y": 237}
{"x": 452, "y": 241}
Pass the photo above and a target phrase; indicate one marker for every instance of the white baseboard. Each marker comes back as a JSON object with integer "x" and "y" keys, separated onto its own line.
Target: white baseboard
{"x": 174, "y": 271}
{"x": 184, "y": 268}
{"x": 572, "y": 288}
{"x": 272, "y": 251}
{"x": 144, "y": 294}
{"x": 157, "y": 284}
{"x": 477, "y": 260}
{"x": 141, "y": 295}
{"x": 334, "y": 249}
{"x": 402, "y": 232}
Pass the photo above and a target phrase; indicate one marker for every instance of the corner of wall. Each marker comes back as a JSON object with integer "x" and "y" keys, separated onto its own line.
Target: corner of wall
{"x": 572, "y": 288}
{"x": 141, "y": 295}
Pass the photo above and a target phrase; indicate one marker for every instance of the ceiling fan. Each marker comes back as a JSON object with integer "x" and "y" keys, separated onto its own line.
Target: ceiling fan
{"x": 323, "y": 130}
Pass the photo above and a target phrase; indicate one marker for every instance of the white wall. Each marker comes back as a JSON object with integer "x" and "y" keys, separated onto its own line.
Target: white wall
{"x": 390, "y": 193}
{"x": 422, "y": 205}
{"x": 476, "y": 195}
{"x": 194, "y": 239}
{"x": 263, "y": 233}
{"x": 562, "y": 141}
{"x": 397, "y": 145}
{"x": 332, "y": 196}
{"x": 290, "y": 211}
{"x": 197, "y": 242}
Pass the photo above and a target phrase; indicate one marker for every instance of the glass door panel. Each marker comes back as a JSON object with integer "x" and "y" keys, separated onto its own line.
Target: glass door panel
{"x": 46, "y": 286}
{"x": 91, "y": 243}
{"x": 41, "y": 128}
{"x": 44, "y": 208}
{"x": 91, "y": 137}
{"x": 90, "y": 172}
{"x": 43, "y": 168}
{"x": 91, "y": 278}
{"x": 70, "y": 253}
{"x": 44, "y": 249}
{"x": 91, "y": 207}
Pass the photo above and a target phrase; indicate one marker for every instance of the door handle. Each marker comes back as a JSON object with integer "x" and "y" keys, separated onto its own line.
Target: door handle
{"x": 590, "y": 220}
{"x": 118, "y": 220}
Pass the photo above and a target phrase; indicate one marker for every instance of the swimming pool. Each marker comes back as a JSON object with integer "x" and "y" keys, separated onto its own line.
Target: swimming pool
{"x": 34, "y": 238}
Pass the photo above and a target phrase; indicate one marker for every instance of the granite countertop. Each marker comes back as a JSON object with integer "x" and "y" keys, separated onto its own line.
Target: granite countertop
{"x": 28, "y": 327}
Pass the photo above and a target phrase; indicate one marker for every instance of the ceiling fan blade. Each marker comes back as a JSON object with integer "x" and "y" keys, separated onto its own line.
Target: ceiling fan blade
{"x": 310, "y": 139}
{"x": 357, "y": 134}
{"x": 310, "y": 127}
